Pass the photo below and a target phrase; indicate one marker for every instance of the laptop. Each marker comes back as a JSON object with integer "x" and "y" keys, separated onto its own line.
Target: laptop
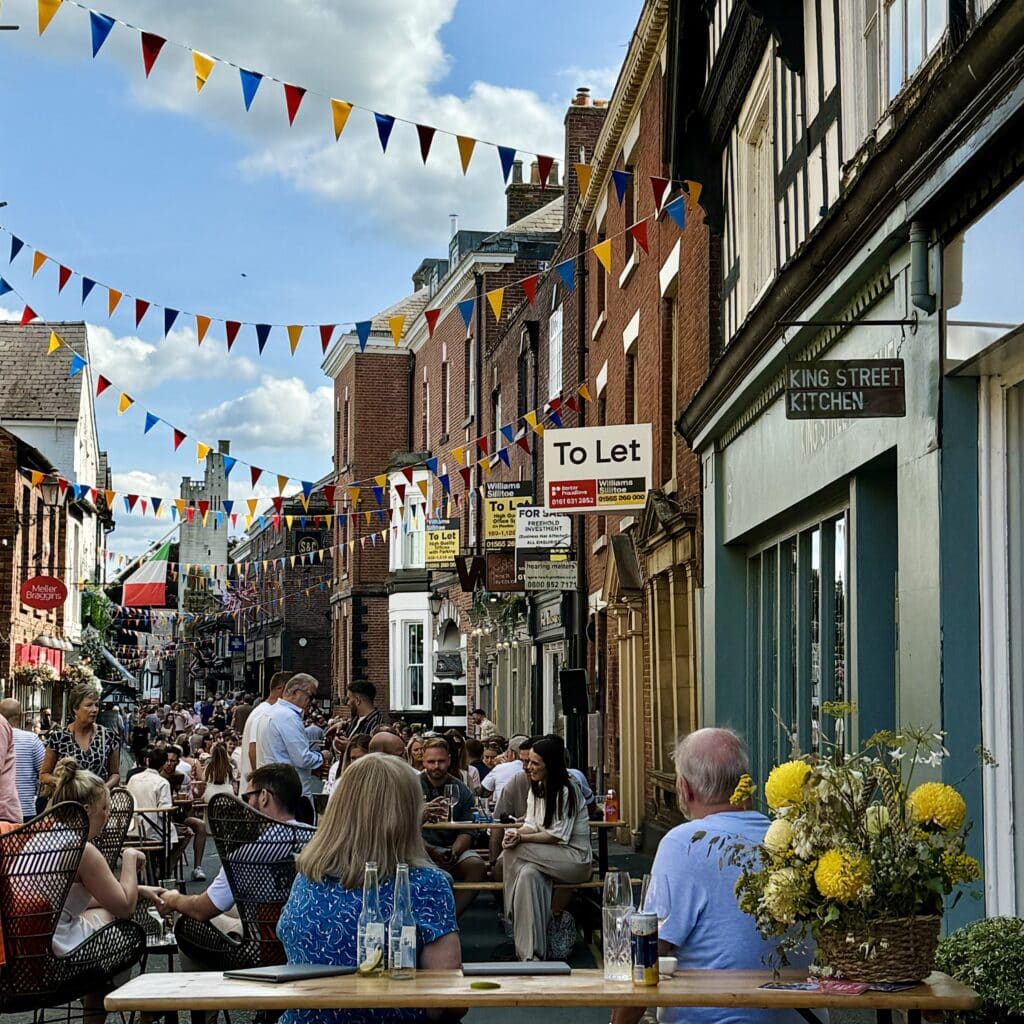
{"x": 289, "y": 972}
{"x": 520, "y": 967}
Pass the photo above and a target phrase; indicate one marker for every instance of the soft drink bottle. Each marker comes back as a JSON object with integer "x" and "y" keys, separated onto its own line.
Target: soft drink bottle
{"x": 611, "y": 806}
{"x": 402, "y": 929}
{"x": 371, "y": 927}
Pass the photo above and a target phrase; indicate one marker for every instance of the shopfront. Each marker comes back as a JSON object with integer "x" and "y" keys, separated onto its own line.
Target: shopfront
{"x": 549, "y": 654}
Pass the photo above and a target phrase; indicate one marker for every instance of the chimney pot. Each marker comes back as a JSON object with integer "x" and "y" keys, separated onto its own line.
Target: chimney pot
{"x": 453, "y": 220}
{"x": 582, "y": 98}
{"x": 517, "y": 172}
{"x": 534, "y": 173}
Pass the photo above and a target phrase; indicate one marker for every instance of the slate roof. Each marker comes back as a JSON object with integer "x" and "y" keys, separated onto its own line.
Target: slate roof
{"x": 34, "y": 385}
{"x": 410, "y": 307}
{"x": 545, "y": 221}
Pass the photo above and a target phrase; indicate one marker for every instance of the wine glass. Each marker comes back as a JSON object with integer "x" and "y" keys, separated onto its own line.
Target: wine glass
{"x": 451, "y": 797}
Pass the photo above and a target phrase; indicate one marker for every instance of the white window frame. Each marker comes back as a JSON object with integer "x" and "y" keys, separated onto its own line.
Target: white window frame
{"x": 555, "y": 350}
{"x": 409, "y": 665}
{"x": 409, "y": 552}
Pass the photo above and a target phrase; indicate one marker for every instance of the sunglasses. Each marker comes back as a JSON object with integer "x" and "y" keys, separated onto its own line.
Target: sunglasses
{"x": 252, "y": 792}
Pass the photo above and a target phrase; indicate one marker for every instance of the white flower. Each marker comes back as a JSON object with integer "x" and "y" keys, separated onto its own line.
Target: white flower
{"x": 897, "y": 753}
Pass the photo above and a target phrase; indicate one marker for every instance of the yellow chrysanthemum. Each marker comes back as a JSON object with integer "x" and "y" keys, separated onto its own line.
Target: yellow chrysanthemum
{"x": 779, "y": 837}
{"x": 744, "y": 790}
{"x": 840, "y": 876}
{"x": 785, "y": 785}
{"x": 959, "y": 867}
{"x": 935, "y": 803}
{"x": 782, "y": 894}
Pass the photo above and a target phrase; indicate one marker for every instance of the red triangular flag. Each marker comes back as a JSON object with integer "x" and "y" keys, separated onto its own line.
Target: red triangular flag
{"x": 28, "y": 315}
{"x": 326, "y": 330}
{"x": 407, "y": 473}
{"x": 431, "y": 317}
{"x": 639, "y": 233}
{"x": 544, "y": 165}
{"x": 658, "y": 186}
{"x": 151, "y": 47}
{"x": 63, "y": 276}
{"x": 328, "y": 490}
{"x": 400, "y": 491}
{"x": 231, "y": 328}
{"x": 426, "y": 134}
{"x": 101, "y": 385}
{"x": 179, "y": 436}
{"x": 570, "y": 403}
{"x": 465, "y": 473}
{"x": 524, "y": 443}
{"x": 277, "y": 502}
{"x": 141, "y": 305}
{"x": 204, "y": 507}
{"x": 254, "y": 474}
{"x": 293, "y": 97}
{"x": 482, "y": 444}
{"x": 530, "y": 287}
{"x": 131, "y": 499}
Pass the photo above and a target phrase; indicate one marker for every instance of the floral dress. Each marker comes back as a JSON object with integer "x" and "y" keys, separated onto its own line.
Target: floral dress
{"x": 318, "y": 926}
{"x": 94, "y": 758}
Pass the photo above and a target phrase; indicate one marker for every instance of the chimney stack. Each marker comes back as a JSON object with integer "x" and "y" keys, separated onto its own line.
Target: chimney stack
{"x": 583, "y": 121}
{"x": 453, "y": 221}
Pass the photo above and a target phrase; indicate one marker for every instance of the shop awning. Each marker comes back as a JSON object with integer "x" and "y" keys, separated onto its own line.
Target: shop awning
{"x": 124, "y": 673}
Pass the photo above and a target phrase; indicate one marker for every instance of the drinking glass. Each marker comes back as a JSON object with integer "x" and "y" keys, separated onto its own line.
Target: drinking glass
{"x": 451, "y": 796}
{"x": 617, "y": 908}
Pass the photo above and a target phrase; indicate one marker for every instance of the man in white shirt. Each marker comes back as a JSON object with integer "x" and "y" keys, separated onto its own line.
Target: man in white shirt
{"x": 282, "y": 738}
{"x": 150, "y": 789}
{"x": 485, "y": 728}
{"x": 247, "y": 761}
{"x": 503, "y": 772}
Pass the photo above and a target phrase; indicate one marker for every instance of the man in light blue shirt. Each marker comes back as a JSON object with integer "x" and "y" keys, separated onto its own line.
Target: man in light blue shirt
{"x": 28, "y": 758}
{"x": 282, "y": 739}
{"x": 693, "y": 892}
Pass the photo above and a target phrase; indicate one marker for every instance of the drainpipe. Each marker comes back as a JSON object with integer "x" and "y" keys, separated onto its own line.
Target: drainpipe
{"x": 409, "y": 429}
{"x": 478, "y": 280}
{"x": 920, "y": 292}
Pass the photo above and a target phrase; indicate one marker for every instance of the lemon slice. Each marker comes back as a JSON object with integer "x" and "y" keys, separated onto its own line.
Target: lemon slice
{"x": 372, "y": 962}
{"x": 485, "y": 984}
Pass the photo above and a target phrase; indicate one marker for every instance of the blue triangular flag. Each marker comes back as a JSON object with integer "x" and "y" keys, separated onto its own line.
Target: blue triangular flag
{"x": 363, "y": 333}
{"x": 5, "y": 287}
{"x": 555, "y": 418}
{"x": 229, "y": 464}
{"x": 307, "y": 489}
{"x": 507, "y": 155}
{"x": 677, "y": 211}
{"x": 466, "y": 309}
{"x": 621, "y": 179}
{"x": 228, "y": 504}
{"x": 170, "y": 315}
{"x": 250, "y": 83}
{"x": 380, "y": 514}
{"x": 78, "y": 364}
{"x": 127, "y": 507}
{"x": 432, "y": 466}
{"x": 151, "y": 422}
{"x": 302, "y": 522}
{"x": 503, "y": 455}
{"x": 87, "y": 286}
{"x": 567, "y": 272}
{"x": 508, "y": 433}
{"x": 16, "y": 244}
{"x": 263, "y": 521}
{"x": 101, "y": 26}
{"x": 378, "y": 495}
{"x": 385, "y": 122}
{"x": 262, "y": 333}
{"x": 156, "y": 503}
{"x": 445, "y": 483}
{"x": 174, "y": 513}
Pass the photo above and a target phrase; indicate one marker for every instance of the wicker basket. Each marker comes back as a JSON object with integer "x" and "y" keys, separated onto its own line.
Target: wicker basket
{"x": 892, "y": 949}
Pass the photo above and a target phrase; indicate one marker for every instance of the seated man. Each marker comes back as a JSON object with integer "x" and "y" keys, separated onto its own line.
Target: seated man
{"x": 693, "y": 891}
{"x": 150, "y": 788}
{"x": 274, "y": 791}
{"x": 449, "y": 849}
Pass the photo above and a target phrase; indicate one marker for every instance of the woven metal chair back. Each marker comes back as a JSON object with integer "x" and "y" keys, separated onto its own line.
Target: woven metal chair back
{"x": 38, "y": 863}
{"x": 110, "y": 842}
{"x": 258, "y": 856}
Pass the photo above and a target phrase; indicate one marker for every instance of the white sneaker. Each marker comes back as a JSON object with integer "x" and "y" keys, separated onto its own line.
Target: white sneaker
{"x": 198, "y": 875}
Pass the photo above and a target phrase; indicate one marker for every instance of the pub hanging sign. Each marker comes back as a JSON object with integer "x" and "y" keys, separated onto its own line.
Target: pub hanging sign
{"x": 837, "y": 389}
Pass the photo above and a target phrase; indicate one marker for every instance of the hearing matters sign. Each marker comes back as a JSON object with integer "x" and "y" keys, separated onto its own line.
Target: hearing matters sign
{"x": 598, "y": 469}
{"x": 833, "y": 389}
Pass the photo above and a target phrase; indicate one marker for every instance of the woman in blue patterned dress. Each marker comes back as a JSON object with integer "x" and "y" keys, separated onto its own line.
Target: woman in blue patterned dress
{"x": 374, "y": 814}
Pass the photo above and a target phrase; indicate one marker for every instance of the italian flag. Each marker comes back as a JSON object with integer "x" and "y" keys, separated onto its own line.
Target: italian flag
{"x": 147, "y": 586}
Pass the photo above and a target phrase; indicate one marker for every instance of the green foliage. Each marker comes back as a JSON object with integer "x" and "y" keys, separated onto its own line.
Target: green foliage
{"x": 92, "y": 650}
{"x": 988, "y": 956}
{"x": 97, "y": 610}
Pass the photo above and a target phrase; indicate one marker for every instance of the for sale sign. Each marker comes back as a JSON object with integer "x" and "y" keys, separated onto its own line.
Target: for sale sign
{"x": 598, "y": 469}
{"x": 538, "y": 528}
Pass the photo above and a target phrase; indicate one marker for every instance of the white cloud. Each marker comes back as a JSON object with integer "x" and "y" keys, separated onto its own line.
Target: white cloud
{"x": 139, "y": 481}
{"x": 600, "y": 81}
{"x": 280, "y": 413}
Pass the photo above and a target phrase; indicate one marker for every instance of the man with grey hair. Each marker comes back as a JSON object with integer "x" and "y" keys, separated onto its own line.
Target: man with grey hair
{"x": 693, "y": 890}
{"x": 282, "y": 739}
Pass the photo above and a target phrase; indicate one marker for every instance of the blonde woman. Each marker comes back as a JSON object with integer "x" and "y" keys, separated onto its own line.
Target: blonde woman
{"x": 318, "y": 923}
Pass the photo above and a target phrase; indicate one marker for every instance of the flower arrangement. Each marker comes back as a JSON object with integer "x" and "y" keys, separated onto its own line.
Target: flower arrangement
{"x": 82, "y": 672}
{"x": 853, "y": 844}
{"x": 34, "y": 675}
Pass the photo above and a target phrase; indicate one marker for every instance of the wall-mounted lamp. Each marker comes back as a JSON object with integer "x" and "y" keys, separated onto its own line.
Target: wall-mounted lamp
{"x": 435, "y": 600}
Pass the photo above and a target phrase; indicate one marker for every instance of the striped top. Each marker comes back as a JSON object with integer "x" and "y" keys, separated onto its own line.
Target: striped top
{"x": 28, "y": 759}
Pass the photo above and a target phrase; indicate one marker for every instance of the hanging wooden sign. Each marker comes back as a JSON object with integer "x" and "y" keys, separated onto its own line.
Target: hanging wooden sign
{"x": 834, "y": 389}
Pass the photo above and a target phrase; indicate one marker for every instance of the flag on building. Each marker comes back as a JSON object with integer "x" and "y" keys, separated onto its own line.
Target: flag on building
{"x": 147, "y": 586}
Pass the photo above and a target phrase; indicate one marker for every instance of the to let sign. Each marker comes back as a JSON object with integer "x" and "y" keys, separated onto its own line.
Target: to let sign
{"x": 598, "y": 469}
{"x": 43, "y": 592}
{"x": 833, "y": 389}
{"x": 502, "y": 498}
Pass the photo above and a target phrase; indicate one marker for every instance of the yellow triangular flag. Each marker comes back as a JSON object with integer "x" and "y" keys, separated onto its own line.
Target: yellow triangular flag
{"x": 180, "y": 504}
{"x": 382, "y": 480}
{"x": 282, "y": 483}
{"x": 47, "y": 9}
{"x": 459, "y": 458}
{"x": 397, "y": 325}
{"x": 694, "y": 188}
{"x": 37, "y": 477}
{"x": 294, "y": 333}
{"x": 603, "y": 251}
{"x": 202, "y": 450}
{"x": 584, "y": 391}
{"x": 353, "y": 495}
{"x": 339, "y": 113}
{"x": 288, "y": 522}
{"x": 55, "y": 343}
{"x": 252, "y": 502}
{"x": 496, "y": 297}
{"x": 422, "y": 484}
{"x": 125, "y": 404}
{"x": 202, "y": 326}
{"x": 485, "y": 465}
{"x": 38, "y": 259}
{"x": 291, "y": 558}
{"x": 206, "y": 515}
{"x": 113, "y": 298}
{"x": 203, "y": 66}
{"x": 466, "y": 147}
{"x": 583, "y": 172}
{"x": 248, "y": 520}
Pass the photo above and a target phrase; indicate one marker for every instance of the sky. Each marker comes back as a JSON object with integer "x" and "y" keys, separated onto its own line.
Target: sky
{"x": 191, "y": 202}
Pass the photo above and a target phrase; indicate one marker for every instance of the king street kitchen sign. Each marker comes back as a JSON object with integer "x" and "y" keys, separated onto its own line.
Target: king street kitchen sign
{"x": 845, "y": 389}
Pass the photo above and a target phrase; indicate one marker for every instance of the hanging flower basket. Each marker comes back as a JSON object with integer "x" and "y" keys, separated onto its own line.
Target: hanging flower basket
{"x": 37, "y": 676}
{"x": 892, "y": 950}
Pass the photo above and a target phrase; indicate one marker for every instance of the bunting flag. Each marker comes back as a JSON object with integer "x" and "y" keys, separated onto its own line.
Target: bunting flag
{"x": 363, "y": 333}
{"x": 677, "y": 211}
{"x": 202, "y": 450}
{"x": 113, "y": 298}
{"x": 47, "y": 9}
{"x": 202, "y": 326}
{"x": 567, "y": 272}
{"x": 28, "y": 314}
{"x": 385, "y": 123}
{"x": 466, "y": 309}
{"x": 659, "y": 187}
{"x": 151, "y": 422}
{"x": 507, "y": 156}
{"x": 231, "y": 329}
{"x": 430, "y": 315}
{"x": 639, "y": 233}
{"x": 397, "y": 325}
{"x": 16, "y": 247}
{"x": 87, "y": 286}
{"x": 170, "y": 315}
{"x": 621, "y": 181}
{"x": 63, "y": 276}
{"x": 529, "y": 286}
{"x": 326, "y": 331}
{"x": 179, "y": 436}
{"x": 603, "y": 252}
{"x": 203, "y": 65}
{"x": 250, "y": 83}
{"x": 693, "y": 190}
{"x": 294, "y": 333}
{"x": 293, "y": 95}
{"x": 151, "y": 47}
{"x": 141, "y": 305}
{"x": 496, "y": 297}
{"x": 38, "y": 259}
{"x": 102, "y": 383}
{"x": 78, "y": 364}
{"x": 100, "y": 26}
{"x": 426, "y": 136}
{"x": 5, "y": 288}
{"x": 466, "y": 147}
{"x": 544, "y": 165}
{"x": 55, "y": 343}
{"x": 262, "y": 335}
{"x": 124, "y": 404}
{"x": 583, "y": 173}
{"x": 339, "y": 115}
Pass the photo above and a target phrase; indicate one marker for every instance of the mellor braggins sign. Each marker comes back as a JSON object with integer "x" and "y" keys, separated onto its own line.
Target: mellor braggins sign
{"x": 43, "y": 592}
{"x": 598, "y": 469}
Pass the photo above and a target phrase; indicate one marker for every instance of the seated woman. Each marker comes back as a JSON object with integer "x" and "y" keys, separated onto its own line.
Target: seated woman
{"x": 358, "y": 746}
{"x": 552, "y": 845}
{"x": 318, "y": 923}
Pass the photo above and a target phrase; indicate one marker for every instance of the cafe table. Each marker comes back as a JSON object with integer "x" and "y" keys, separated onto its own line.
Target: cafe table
{"x": 160, "y": 993}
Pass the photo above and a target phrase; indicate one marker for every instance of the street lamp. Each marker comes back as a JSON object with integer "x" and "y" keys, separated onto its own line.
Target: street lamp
{"x": 436, "y": 600}
{"x": 49, "y": 491}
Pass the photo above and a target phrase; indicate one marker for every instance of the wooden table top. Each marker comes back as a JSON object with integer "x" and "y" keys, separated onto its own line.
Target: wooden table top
{"x": 470, "y": 826}
{"x": 157, "y": 993}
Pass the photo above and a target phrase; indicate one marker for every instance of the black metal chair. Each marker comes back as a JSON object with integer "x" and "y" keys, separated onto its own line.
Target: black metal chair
{"x": 38, "y": 863}
{"x": 111, "y": 841}
{"x": 258, "y": 857}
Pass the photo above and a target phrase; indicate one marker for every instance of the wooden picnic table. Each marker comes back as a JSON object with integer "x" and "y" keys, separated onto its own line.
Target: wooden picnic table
{"x": 159, "y": 993}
